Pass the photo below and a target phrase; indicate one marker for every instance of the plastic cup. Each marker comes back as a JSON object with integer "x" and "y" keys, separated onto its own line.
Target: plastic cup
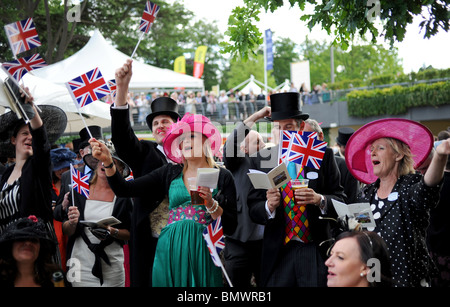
{"x": 196, "y": 199}
{"x": 299, "y": 184}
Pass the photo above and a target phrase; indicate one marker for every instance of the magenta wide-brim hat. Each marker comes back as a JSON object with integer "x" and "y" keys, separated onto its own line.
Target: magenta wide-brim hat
{"x": 190, "y": 123}
{"x": 357, "y": 152}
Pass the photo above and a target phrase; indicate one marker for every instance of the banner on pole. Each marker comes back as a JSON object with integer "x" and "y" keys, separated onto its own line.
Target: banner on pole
{"x": 199, "y": 61}
{"x": 179, "y": 65}
{"x": 269, "y": 51}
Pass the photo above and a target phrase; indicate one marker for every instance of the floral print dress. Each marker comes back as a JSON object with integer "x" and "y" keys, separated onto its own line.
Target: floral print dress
{"x": 182, "y": 258}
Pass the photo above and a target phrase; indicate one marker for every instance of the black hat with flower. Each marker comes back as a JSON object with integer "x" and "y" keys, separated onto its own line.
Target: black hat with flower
{"x": 25, "y": 229}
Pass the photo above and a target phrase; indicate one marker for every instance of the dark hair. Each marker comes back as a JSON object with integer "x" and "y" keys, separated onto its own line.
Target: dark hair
{"x": 44, "y": 265}
{"x": 17, "y": 126}
{"x": 372, "y": 245}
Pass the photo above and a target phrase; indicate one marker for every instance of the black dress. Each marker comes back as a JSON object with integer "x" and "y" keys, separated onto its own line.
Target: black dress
{"x": 402, "y": 220}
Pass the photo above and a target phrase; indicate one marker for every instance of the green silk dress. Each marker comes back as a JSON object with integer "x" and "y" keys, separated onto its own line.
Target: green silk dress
{"x": 182, "y": 258}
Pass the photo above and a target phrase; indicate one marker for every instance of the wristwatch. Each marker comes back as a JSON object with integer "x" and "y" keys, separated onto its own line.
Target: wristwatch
{"x": 322, "y": 202}
{"x": 109, "y": 166}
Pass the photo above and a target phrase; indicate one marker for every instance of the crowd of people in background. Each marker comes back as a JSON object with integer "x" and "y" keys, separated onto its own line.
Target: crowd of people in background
{"x": 225, "y": 105}
{"x": 156, "y": 238}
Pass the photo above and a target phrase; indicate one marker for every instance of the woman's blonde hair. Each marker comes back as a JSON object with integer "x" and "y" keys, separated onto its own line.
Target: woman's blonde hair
{"x": 406, "y": 165}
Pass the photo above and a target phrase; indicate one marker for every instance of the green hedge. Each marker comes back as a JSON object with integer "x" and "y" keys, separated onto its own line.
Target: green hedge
{"x": 397, "y": 99}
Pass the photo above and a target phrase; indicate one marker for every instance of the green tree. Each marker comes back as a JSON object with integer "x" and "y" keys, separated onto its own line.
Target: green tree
{"x": 360, "y": 62}
{"x": 240, "y": 71}
{"x": 173, "y": 33}
{"x": 342, "y": 19}
{"x": 284, "y": 55}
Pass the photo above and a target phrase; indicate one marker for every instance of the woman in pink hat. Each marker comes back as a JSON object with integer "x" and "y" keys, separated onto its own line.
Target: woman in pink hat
{"x": 182, "y": 258}
{"x": 384, "y": 154}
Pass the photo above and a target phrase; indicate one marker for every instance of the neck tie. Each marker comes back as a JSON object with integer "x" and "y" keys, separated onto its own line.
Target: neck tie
{"x": 296, "y": 218}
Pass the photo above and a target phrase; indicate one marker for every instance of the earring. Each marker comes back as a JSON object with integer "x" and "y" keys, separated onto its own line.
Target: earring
{"x": 361, "y": 274}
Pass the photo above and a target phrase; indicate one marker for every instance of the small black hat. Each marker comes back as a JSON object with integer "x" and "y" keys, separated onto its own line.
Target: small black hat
{"x": 286, "y": 106}
{"x": 163, "y": 106}
{"x": 344, "y": 135}
{"x": 96, "y": 131}
{"x": 28, "y": 228}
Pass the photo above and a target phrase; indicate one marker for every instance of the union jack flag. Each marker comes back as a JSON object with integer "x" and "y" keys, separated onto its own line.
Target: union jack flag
{"x": 286, "y": 141}
{"x": 112, "y": 87}
{"x": 213, "y": 235}
{"x": 22, "y": 35}
{"x": 307, "y": 151}
{"x": 88, "y": 88}
{"x": 80, "y": 181}
{"x": 18, "y": 68}
{"x": 148, "y": 17}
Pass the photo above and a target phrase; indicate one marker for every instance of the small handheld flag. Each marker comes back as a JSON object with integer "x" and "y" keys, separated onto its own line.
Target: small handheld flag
{"x": 213, "y": 235}
{"x": 86, "y": 89}
{"x": 112, "y": 87}
{"x": 148, "y": 17}
{"x": 306, "y": 151}
{"x": 18, "y": 68}
{"x": 80, "y": 181}
{"x": 22, "y": 36}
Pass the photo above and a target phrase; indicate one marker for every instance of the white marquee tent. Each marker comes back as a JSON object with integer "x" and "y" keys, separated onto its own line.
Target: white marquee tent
{"x": 49, "y": 93}
{"x": 100, "y": 53}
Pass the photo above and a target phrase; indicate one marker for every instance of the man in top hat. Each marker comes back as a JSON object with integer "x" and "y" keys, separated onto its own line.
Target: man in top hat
{"x": 143, "y": 157}
{"x": 297, "y": 262}
{"x": 350, "y": 184}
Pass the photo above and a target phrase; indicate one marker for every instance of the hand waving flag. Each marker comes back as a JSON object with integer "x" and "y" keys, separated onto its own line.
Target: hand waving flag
{"x": 88, "y": 88}
{"x": 22, "y": 36}
{"x": 18, "y": 68}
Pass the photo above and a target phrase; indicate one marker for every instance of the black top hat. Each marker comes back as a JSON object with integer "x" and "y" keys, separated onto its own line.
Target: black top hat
{"x": 344, "y": 135}
{"x": 96, "y": 131}
{"x": 54, "y": 119}
{"x": 27, "y": 228}
{"x": 286, "y": 106}
{"x": 76, "y": 145}
{"x": 163, "y": 106}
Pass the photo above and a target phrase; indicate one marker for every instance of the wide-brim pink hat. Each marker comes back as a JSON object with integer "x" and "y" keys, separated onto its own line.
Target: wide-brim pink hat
{"x": 357, "y": 152}
{"x": 190, "y": 123}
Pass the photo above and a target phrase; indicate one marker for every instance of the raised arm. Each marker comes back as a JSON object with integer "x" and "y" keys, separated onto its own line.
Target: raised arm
{"x": 435, "y": 171}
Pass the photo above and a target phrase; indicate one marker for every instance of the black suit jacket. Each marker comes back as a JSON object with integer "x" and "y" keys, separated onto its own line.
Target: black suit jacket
{"x": 239, "y": 164}
{"x": 327, "y": 183}
{"x": 350, "y": 184}
{"x": 142, "y": 157}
